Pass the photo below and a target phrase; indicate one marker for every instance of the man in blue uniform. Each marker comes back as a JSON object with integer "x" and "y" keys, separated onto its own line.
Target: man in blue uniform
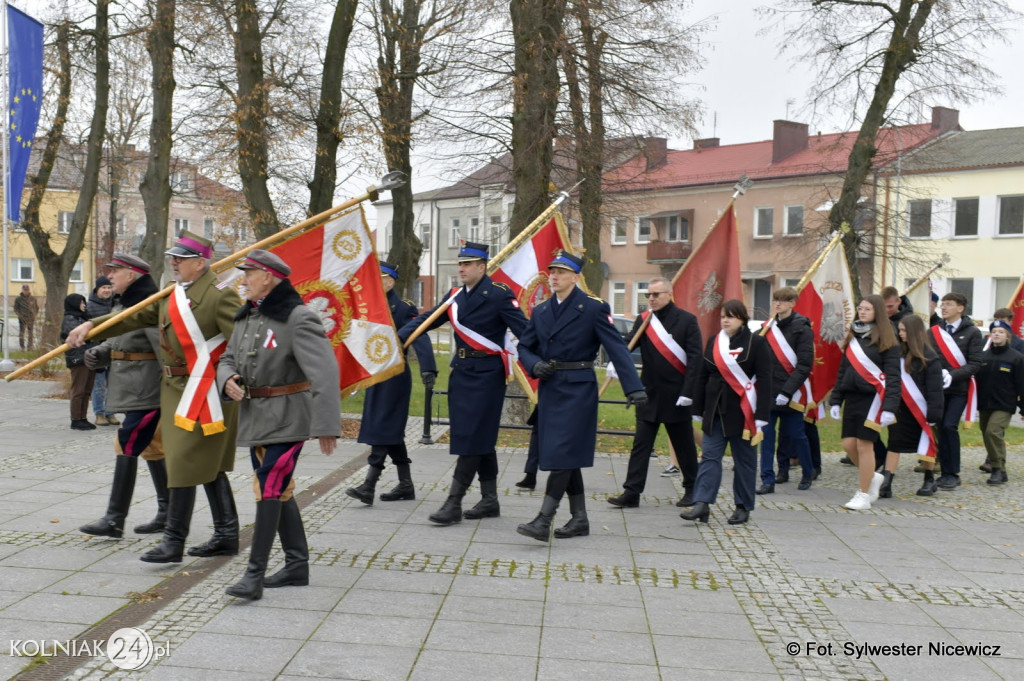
{"x": 386, "y": 406}
{"x": 559, "y": 346}
{"x": 480, "y": 312}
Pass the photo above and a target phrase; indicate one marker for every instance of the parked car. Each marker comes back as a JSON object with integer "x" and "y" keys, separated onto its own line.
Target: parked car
{"x": 624, "y": 325}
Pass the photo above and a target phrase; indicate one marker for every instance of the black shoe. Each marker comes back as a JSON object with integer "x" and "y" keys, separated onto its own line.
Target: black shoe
{"x": 579, "y": 524}
{"x": 224, "y": 541}
{"x": 540, "y": 527}
{"x": 365, "y": 491}
{"x": 296, "y": 552}
{"x": 179, "y": 516}
{"x": 885, "y": 491}
{"x": 529, "y": 481}
{"x": 451, "y": 510}
{"x": 766, "y": 489}
{"x": 112, "y": 523}
{"x": 998, "y": 477}
{"x": 817, "y": 473}
{"x": 488, "y": 506}
{"x": 625, "y": 500}
{"x": 804, "y": 485}
{"x": 739, "y": 516}
{"x": 948, "y": 482}
{"x": 928, "y": 488}
{"x": 699, "y": 512}
{"x": 847, "y": 460}
{"x": 157, "y": 471}
{"x": 82, "y": 424}
{"x": 781, "y": 478}
{"x": 404, "y": 490}
{"x": 687, "y": 499}
{"x": 268, "y": 514}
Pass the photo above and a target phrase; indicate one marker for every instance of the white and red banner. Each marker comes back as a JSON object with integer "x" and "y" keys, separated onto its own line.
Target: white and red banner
{"x": 945, "y": 344}
{"x": 915, "y": 400}
{"x": 827, "y": 300}
{"x": 744, "y": 386}
{"x": 786, "y": 355}
{"x": 873, "y": 375}
{"x": 705, "y": 282}
{"x": 199, "y": 402}
{"x": 336, "y": 271}
{"x": 664, "y": 343}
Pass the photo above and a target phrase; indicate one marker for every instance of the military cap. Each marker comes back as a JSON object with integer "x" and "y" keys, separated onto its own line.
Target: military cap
{"x": 191, "y": 245}
{"x": 130, "y": 262}
{"x": 259, "y": 259}
{"x": 567, "y": 261}
{"x": 389, "y": 269}
{"x": 471, "y": 251}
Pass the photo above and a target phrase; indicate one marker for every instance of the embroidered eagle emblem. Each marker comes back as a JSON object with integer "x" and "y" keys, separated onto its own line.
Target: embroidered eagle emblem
{"x": 709, "y": 298}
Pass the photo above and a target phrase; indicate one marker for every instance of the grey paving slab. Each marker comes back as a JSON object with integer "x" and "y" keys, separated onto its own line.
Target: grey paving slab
{"x": 280, "y": 622}
{"x": 597, "y": 646}
{"x": 470, "y": 637}
{"x": 332, "y": 660}
{"x": 406, "y": 604}
{"x": 446, "y": 665}
{"x": 343, "y": 627}
{"x": 571, "y": 670}
{"x": 169, "y": 672}
{"x": 597, "y": 617}
{"x": 61, "y": 607}
{"x": 711, "y": 653}
{"x": 497, "y": 610}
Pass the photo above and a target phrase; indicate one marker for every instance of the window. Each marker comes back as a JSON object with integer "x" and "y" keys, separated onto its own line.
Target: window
{"x": 619, "y": 231}
{"x": 208, "y": 228}
{"x": 789, "y": 281}
{"x": 1005, "y": 288}
{"x": 22, "y": 269}
{"x": 453, "y": 234}
{"x": 1011, "y": 215}
{"x": 64, "y": 219}
{"x": 678, "y": 228}
{"x": 764, "y": 222}
{"x": 425, "y": 235}
{"x": 417, "y": 292}
{"x": 966, "y": 287}
{"x": 920, "y": 219}
{"x": 762, "y": 299}
{"x": 179, "y": 182}
{"x": 640, "y": 288}
{"x": 643, "y": 231}
{"x": 474, "y": 230}
{"x": 180, "y": 225}
{"x": 76, "y": 273}
{"x": 618, "y": 289}
{"x": 966, "y": 218}
{"x": 794, "y": 221}
{"x": 454, "y": 282}
{"x": 494, "y": 229}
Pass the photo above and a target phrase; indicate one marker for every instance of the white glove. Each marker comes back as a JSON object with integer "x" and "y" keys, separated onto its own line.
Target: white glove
{"x": 610, "y": 371}
{"x": 683, "y": 401}
{"x": 698, "y": 419}
{"x": 888, "y": 418}
{"x": 947, "y": 379}
{"x": 834, "y": 412}
{"x": 760, "y": 424}
{"x": 781, "y": 400}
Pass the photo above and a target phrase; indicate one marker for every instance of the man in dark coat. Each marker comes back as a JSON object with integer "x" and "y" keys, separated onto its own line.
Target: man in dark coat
{"x": 670, "y": 346}
{"x": 792, "y": 342}
{"x": 386, "y": 406}
{"x": 100, "y": 302}
{"x": 26, "y": 308}
{"x": 559, "y": 346}
{"x": 480, "y": 311}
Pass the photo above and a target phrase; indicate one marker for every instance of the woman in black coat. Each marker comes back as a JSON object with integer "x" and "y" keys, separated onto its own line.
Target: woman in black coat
{"x": 919, "y": 364}
{"x": 868, "y": 389}
{"x": 81, "y": 377}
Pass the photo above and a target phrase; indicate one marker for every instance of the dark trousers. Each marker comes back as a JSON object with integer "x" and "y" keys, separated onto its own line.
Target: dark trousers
{"x": 709, "y": 475}
{"x": 533, "y": 455}
{"x": 484, "y": 466}
{"x": 26, "y": 334}
{"x": 681, "y": 436}
{"x": 378, "y": 453}
{"x": 137, "y": 430}
{"x": 274, "y": 466}
{"x": 560, "y": 482}
{"x": 792, "y": 440}
{"x": 949, "y": 434}
{"x": 81, "y": 391}
{"x": 813, "y": 443}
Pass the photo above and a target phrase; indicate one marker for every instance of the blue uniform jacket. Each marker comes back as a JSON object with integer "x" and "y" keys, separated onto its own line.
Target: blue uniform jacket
{"x": 476, "y": 386}
{"x": 386, "y": 405}
{"x": 567, "y": 402}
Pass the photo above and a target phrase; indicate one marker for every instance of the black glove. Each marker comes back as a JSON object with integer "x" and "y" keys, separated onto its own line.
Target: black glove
{"x": 429, "y": 378}
{"x": 543, "y": 370}
{"x": 637, "y": 397}
{"x": 92, "y": 359}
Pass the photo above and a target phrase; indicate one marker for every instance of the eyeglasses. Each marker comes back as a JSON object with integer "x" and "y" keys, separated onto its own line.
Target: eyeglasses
{"x": 655, "y": 294}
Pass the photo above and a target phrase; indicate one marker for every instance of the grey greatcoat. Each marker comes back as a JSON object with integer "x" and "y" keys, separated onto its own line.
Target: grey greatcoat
{"x": 282, "y": 342}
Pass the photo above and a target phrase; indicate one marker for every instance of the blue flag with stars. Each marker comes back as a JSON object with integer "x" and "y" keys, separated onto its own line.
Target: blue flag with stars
{"x": 25, "y": 45}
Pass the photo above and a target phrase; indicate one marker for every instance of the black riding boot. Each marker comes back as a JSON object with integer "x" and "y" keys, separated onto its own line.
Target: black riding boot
{"x": 296, "y": 552}
{"x": 157, "y": 471}
{"x": 268, "y": 514}
{"x": 488, "y": 506}
{"x": 885, "y": 491}
{"x": 540, "y": 527}
{"x": 404, "y": 490}
{"x": 451, "y": 511}
{"x": 112, "y": 523}
{"x": 578, "y": 525}
{"x": 224, "y": 541}
{"x": 179, "y": 516}
{"x": 364, "y": 492}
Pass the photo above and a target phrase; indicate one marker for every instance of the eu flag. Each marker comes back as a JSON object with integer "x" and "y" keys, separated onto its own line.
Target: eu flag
{"x": 25, "y": 45}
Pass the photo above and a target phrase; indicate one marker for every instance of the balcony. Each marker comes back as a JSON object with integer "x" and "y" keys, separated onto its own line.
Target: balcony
{"x": 668, "y": 252}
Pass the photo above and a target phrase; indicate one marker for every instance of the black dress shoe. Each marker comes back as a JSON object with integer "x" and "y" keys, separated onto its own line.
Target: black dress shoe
{"x": 949, "y": 482}
{"x": 766, "y": 489}
{"x": 928, "y": 488}
{"x": 817, "y": 474}
{"x": 739, "y": 516}
{"x": 804, "y": 484}
{"x": 625, "y": 500}
{"x": 687, "y": 499}
{"x": 699, "y": 512}
{"x": 528, "y": 482}
{"x": 998, "y": 477}
{"x": 847, "y": 460}
{"x": 781, "y": 478}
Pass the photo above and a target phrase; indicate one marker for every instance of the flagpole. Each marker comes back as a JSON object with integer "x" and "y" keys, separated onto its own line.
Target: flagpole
{"x": 6, "y": 364}
{"x": 923, "y": 278}
{"x": 390, "y": 181}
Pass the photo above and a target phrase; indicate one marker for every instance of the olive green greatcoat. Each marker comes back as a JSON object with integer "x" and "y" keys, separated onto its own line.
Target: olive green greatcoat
{"x": 192, "y": 458}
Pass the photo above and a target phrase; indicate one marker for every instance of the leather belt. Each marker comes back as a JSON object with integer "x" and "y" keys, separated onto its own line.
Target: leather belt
{"x": 564, "y": 366}
{"x": 277, "y": 390}
{"x": 132, "y": 356}
{"x": 175, "y": 371}
{"x": 463, "y": 353}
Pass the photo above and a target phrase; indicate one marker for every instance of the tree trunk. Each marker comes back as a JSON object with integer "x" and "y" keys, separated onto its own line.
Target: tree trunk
{"x": 328, "y": 118}
{"x": 156, "y": 186}
{"x": 537, "y": 34}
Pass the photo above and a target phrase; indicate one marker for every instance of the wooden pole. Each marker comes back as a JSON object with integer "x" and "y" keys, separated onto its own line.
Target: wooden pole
{"x": 389, "y": 181}
{"x": 925, "y": 277}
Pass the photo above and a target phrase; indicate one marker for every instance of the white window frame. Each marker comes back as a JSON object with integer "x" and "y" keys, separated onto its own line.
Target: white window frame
{"x": 786, "y": 231}
{"x": 180, "y": 182}
{"x": 757, "y": 222}
{"x": 910, "y": 218}
{"x": 453, "y": 232}
{"x": 680, "y": 238}
{"x": 619, "y": 238}
{"x": 180, "y": 225}
{"x": 209, "y": 228}
{"x": 425, "y": 234}
{"x": 494, "y": 229}
{"x": 79, "y": 268}
{"x": 790, "y": 281}
{"x": 639, "y": 297}
{"x": 17, "y": 264}
{"x": 637, "y": 237}
{"x": 999, "y": 218}
{"x": 473, "y": 232}
{"x": 969, "y": 310}
{"x": 65, "y": 218}
{"x": 617, "y": 290}
{"x": 977, "y": 218}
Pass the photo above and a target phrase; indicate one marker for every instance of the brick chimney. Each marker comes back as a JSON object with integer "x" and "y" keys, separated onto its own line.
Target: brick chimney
{"x": 706, "y": 143}
{"x": 945, "y": 119}
{"x": 656, "y": 151}
{"x": 787, "y": 139}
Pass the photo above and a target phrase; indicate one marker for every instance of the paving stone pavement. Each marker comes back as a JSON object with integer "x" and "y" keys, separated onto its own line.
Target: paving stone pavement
{"x": 794, "y": 594}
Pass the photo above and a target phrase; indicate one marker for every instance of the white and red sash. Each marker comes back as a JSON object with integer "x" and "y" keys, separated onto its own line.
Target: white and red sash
{"x": 870, "y": 372}
{"x": 743, "y": 385}
{"x": 477, "y": 341}
{"x": 801, "y": 399}
{"x": 955, "y": 357}
{"x": 918, "y": 406}
{"x": 200, "y": 402}
{"x": 664, "y": 343}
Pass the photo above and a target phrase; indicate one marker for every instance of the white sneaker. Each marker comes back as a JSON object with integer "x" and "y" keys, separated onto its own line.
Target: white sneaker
{"x": 670, "y": 471}
{"x": 861, "y": 501}
{"x": 875, "y": 486}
